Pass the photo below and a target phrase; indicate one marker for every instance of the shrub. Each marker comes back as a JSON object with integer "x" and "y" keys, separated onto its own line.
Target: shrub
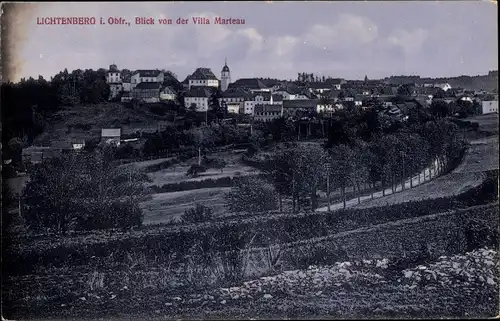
{"x": 197, "y": 214}
{"x": 252, "y": 194}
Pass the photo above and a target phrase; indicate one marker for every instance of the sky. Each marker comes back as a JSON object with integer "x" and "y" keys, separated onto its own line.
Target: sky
{"x": 278, "y": 40}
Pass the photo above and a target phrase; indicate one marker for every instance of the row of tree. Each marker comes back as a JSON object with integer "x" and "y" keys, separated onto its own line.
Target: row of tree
{"x": 300, "y": 171}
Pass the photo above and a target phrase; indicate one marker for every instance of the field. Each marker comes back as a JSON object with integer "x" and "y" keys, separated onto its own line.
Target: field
{"x": 177, "y": 173}
{"x": 165, "y": 207}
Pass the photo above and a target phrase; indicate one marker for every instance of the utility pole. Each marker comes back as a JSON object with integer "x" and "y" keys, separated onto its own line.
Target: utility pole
{"x": 327, "y": 168}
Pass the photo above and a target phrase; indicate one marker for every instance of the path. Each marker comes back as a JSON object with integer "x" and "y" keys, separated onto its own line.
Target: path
{"x": 425, "y": 176}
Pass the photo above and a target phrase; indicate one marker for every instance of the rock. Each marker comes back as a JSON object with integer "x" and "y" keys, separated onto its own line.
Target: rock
{"x": 168, "y": 304}
{"x": 223, "y": 302}
{"x": 177, "y": 298}
{"x": 319, "y": 293}
{"x": 235, "y": 297}
{"x": 157, "y": 311}
{"x": 268, "y": 296}
{"x": 113, "y": 296}
{"x": 83, "y": 298}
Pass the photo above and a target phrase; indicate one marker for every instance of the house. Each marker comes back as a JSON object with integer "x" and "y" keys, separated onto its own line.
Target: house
{"x": 490, "y": 106}
{"x": 267, "y": 112}
{"x": 290, "y": 107}
{"x": 324, "y": 107}
{"x": 319, "y": 87}
{"x": 288, "y": 92}
{"x": 335, "y": 83}
{"x": 126, "y": 97}
{"x": 203, "y": 77}
{"x": 140, "y": 76}
{"x": 443, "y": 86}
{"x": 234, "y": 99}
{"x": 126, "y": 81}
{"x": 251, "y": 84}
{"x": 198, "y": 96}
{"x": 147, "y": 91}
{"x": 111, "y": 136}
{"x": 261, "y": 98}
{"x": 114, "y": 80}
{"x": 78, "y": 145}
{"x": 168, "y": 94}
{"x": 304, "y": 94}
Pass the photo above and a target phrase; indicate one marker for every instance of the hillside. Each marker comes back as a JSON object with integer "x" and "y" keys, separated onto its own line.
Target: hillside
{"x": 86, "y": 122}
{"x": 480, "y": 82}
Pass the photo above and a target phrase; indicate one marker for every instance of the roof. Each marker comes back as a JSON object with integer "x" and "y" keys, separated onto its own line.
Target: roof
{"x": 263, "y": 108}
{"x": 225, "y": 68}
{"x": 235, "y": 93}
{"x": 334, "y": 81}
{"x": 111, "y": 132}
{"x": 199, "y": 91}
{"x": 250, "y": 83}
{"x": 147, "y": 73}
{"x": 169, "y": 90}
{"x": 300, "y": 103}
{"x": 203, "y": 74}
{"x": 148, "y": 85}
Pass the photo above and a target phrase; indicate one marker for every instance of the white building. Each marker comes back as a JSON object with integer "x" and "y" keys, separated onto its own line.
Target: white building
{"x": 263, "y": 98}
{"x": 114, "y": 80}
{"x": 203, "y": 77}
{"x": 199, "y": 97}
{"x": 443, "y": 86}
{"x": 168, "y": 94}
{"x": 490, "y": 106}
{"x": 111, "y": 136}
{"x": 225, "y": 77}
{"x": 286, "y": 93}
{"x": 146, "y": 76}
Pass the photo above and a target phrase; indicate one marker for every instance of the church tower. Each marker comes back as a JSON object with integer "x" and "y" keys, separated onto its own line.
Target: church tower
{"x": 225, "y": 77}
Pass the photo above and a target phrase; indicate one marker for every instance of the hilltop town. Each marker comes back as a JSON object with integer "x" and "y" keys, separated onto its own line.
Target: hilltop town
{"x": 134, "y": 193}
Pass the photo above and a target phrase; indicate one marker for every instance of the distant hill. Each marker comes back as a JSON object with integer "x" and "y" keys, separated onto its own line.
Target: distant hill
{"x": 487, "y": 82}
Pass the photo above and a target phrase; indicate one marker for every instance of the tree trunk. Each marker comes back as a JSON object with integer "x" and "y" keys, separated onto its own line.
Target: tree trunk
{"x": 383, "y": 187}
{"x": 343, "y": 196}
{"x": 281, "y": 203}
{"x": 313, "y": 200}
{"x": 199, "y": 156}
{"x": 359, "y": 194}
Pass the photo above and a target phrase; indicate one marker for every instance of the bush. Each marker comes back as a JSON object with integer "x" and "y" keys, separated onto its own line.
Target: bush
{"x": 252, "y": 194}
{"x": 197, "y": 214}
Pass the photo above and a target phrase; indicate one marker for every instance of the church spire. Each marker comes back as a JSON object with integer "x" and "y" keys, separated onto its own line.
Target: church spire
{"x": 225, "y": 61}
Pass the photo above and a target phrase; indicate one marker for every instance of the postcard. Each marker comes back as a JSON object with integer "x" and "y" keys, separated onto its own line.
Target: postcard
{"x": 249, "y": 160}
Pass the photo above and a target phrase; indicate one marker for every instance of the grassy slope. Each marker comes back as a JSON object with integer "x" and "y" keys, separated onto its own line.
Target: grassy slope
{"x": 106, "y": 115}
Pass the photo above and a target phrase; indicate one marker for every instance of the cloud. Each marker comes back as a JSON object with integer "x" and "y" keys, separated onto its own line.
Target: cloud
{"x": 277, "y": 40}
{"x": 410, "y": 42}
